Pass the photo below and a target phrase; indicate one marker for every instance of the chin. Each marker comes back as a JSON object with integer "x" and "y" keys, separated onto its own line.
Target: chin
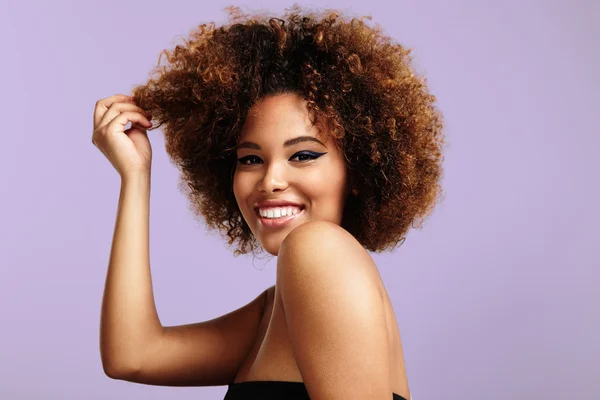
{"x": 271, "y": 241}
{"x": 272, "y": 245}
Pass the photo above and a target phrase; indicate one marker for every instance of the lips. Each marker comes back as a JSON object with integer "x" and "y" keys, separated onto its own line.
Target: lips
{"x": 278, "y": 222}
{"x": 281, "y": 221}
{"x": 277, "y": 203}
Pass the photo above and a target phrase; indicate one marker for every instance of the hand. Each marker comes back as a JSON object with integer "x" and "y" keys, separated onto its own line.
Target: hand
{"x": 128, "y": 151}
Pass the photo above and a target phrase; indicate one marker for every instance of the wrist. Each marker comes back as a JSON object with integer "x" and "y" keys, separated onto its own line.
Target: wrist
{"x": 137, "y": 176}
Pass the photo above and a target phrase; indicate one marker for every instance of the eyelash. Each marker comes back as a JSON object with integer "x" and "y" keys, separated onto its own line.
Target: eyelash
{"x": 313, "y": 156}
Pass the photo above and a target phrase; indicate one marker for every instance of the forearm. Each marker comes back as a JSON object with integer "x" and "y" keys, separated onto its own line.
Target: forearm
{"x": 129, "y": 320}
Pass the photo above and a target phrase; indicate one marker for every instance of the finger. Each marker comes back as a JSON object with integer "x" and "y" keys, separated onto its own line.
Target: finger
{"x": 120, "y": 121}
{"x": 103, "y": 105}
{"x": 116, "y": 109}
{"x": 136, "y": 127}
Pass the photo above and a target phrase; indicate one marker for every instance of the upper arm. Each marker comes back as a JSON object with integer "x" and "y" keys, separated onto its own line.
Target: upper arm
{"x": 208, "y": 353}
{"x": 334, "y": 314}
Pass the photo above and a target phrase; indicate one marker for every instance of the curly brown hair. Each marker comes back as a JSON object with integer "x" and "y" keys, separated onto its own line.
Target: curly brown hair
{"x": 360, "y": 88}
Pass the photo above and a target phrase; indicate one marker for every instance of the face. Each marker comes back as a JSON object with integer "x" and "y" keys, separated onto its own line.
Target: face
{"x": 280, "y": 158}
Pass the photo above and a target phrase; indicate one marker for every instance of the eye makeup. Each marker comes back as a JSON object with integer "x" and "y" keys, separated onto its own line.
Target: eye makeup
{"x": 312, "y": 155}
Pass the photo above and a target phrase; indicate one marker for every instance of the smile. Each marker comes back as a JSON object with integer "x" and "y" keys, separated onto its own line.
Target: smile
{"x": 278, "y": 222}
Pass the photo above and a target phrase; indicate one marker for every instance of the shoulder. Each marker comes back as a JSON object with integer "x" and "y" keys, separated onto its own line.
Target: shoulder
{"x": 320, "y": 255}
{"x": 325, "y": 237}
{"x": 334, "y": 312}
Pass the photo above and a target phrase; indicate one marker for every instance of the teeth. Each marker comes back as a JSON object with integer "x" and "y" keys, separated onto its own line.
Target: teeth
{"x": 278, "y": 212}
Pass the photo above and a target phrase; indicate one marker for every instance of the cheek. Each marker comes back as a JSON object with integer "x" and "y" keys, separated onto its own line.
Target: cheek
{"x": 315, "y": 183}
{"x": 243, "y": 187}
{"x": 239, "y": 190}
{"x": 329, "y": 183}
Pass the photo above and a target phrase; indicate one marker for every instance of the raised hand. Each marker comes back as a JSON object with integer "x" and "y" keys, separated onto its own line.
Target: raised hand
{"x": 129, "y": 151}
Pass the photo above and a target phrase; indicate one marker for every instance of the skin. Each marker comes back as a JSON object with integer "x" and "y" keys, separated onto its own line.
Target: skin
{"x": 277, "y": 172}
{"x": 327, "y": 306}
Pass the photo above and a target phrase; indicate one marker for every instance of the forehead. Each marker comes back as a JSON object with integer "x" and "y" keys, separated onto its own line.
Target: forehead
{"x": 277, "y": 118}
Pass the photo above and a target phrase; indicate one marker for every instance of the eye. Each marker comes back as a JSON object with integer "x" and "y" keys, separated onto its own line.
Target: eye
{"x": 302, "y": 157}
{"x": 244, "y": 160}
{"x": 309, "y": 155}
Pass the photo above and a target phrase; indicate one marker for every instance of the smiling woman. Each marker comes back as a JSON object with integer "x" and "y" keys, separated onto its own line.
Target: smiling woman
{"x": 281, "y": 161}
{"x": 309, "y": 137}
{"x": 362, "y": 97}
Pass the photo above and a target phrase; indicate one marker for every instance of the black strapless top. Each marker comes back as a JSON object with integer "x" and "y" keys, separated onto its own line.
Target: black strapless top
{"x": 272, "y": 390}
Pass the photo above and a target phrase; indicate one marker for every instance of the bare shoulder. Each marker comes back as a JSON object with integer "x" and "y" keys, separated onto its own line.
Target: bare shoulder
{"x": 322, "y": 236}
{"x": 334, "y": 313}
{"x": 317, "y": 227}
{"x": 324, "y": 251}
{"x": 324, "y": 241}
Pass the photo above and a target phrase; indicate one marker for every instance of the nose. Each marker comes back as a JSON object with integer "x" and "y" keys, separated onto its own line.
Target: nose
{"x": 273, "y": 179}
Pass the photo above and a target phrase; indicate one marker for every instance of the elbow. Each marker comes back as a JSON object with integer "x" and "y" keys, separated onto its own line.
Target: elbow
{"x": 120, "y": 362}
{"x": 111, "y": 372}
{"x": 119, "y": 371}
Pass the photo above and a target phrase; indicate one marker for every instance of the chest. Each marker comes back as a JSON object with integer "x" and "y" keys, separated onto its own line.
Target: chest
{"x": 271, "y": 357}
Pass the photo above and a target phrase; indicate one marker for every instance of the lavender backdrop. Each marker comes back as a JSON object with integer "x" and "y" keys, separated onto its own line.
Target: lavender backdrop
{"x": 497, "y": 297}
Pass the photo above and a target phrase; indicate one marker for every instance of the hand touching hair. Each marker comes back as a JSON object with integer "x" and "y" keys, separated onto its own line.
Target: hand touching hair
{"x": 360, "y": 88}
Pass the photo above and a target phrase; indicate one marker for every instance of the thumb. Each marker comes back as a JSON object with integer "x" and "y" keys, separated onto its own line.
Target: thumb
{"x": 138, "y": 135}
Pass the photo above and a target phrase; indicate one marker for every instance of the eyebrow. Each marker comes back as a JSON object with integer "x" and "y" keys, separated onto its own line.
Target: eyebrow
{"x": 287, "y": 143}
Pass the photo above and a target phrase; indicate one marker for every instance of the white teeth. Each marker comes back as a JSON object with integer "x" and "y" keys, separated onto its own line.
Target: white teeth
{"x": 278, "y": 212}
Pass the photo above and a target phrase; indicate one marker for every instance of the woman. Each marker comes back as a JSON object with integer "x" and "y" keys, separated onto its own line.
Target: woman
{"x": 309, "y": 137}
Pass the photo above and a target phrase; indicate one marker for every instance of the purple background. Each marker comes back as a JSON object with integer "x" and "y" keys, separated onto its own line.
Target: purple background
{"x": 494, "y": 297}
